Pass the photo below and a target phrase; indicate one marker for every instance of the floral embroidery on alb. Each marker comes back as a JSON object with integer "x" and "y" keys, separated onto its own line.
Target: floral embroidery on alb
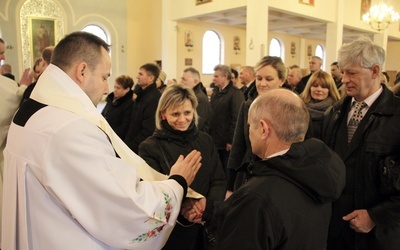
{"x": 158, "y": 218}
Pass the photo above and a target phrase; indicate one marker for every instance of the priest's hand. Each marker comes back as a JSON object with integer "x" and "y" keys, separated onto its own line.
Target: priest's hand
{"x": 26, "y": 78}
{"x": 188, "y": 166}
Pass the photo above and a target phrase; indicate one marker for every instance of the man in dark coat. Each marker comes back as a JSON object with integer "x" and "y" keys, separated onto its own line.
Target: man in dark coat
{"x": 286, "y": 201}
{"x": 144, "y": 108}
{"x": 119, "y": 105}
{"x": 247, "y": 77}
{"x": 191, "y": 78}
{"x": 314, "y": 65}
{"x": 365, "y": 216}
{"x": 225, "y": 103}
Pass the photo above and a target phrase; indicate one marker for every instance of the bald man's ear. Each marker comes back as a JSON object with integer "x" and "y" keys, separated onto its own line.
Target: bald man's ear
{"x": 265, "y": 127}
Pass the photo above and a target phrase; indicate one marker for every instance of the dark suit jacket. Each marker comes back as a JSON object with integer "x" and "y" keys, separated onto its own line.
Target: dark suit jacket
{"x": 376, "y": 137}
{"x": 143, "y": 116}
{"x": 225, "y": 104}
{"x": 204, "y": 109}
{"x": 246, "y": 90}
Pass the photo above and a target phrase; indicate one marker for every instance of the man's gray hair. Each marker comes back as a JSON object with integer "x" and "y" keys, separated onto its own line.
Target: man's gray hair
{"x": 362, "y": 52}
{"x": 225, "y": 70}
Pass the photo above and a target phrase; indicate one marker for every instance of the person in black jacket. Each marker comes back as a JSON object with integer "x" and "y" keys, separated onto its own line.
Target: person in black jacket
{"x": 177, "y": 134}
{"x": 314, "y": 64}
{"x": 118, "y": 109}
{"x": 366, "y": 216}
{"x": 144, "y": 107}
{"x": 247, "y": 77}
{"x": 286, "y": 201}
{"x": 191, "y": 78}
{"x": 225, "y": 103}
{"x": 270, "y": 74}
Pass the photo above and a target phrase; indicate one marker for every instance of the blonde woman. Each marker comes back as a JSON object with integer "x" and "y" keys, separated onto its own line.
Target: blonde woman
{"x": 319, "y": 93}
{"x": 177, "y": 134}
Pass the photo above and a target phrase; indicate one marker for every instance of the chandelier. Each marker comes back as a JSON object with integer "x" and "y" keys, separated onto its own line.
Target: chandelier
{"x": 380, "y": 16}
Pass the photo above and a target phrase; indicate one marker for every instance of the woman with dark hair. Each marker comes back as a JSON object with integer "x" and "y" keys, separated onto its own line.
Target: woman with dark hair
{"x": 119, "y": 106}
{"x": 177, "y": 134}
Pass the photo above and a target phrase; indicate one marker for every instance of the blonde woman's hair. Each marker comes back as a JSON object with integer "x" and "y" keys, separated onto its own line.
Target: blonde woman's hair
{"x": 173, "y": 96}
{"x": 327, "y": 82}
{"x": 275, "y": 62}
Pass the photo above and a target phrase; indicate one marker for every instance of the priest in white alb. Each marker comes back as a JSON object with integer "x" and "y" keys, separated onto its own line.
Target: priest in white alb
{"x": 69, "y": 181}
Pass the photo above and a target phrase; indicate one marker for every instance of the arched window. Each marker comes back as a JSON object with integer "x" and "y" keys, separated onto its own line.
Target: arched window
{"x": 320, "y": 52}
{"x": 211, "y": 51}
{"x": 98, "y": 31}
{"x": 275, "y": 48}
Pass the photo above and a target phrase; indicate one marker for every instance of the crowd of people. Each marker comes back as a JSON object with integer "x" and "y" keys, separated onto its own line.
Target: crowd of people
{"x": 271, "y": 160}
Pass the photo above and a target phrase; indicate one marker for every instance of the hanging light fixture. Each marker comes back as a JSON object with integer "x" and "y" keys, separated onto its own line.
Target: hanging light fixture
{"x": 380, "y": 16}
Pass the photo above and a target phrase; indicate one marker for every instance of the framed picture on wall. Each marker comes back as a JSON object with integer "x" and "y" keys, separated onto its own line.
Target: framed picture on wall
{"x": 309, "y": 50}
{"x": 42, "y": 35}
{"x": 236, "y": 43}
{"x": 293, "y": 48}
{"x": 188, "y": 61}
{"x": 202, "y": 1}
{"x": 188, "y": 38}
{"x": 308, "y": 2}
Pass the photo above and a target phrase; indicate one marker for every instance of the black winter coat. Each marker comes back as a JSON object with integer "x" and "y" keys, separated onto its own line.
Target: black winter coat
{"x": 377, "y": 137}
{"x": 118, "y": 113}
{"x": 225, "y": 104}
{"x": 286, "y": 201}
{"x": 241, "y": 146}
{"x": 209, "y": 181}
{"x": 204, "y": 109}
{"x": 143, "y": 116}
{"x": 241, "y": 151}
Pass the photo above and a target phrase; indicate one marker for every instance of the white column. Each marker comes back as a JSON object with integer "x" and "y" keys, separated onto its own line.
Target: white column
{"x": 257, "y": 43}
{"x": 334, "y": 36}
{"x": 381, "y": 39}
{"x": 303, "y": 54}
{"x": 169, "y": 43}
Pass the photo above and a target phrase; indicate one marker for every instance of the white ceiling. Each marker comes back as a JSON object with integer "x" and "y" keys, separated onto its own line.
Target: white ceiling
{"x": 281, "y": 22}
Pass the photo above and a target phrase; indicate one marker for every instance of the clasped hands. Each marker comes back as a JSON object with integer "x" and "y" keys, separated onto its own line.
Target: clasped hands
{"x": 193, "y": 209}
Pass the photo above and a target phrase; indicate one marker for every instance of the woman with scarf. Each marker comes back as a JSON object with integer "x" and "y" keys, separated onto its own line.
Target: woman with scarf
{"x": 319, "y": 93}
{"x": 177, "y": 134}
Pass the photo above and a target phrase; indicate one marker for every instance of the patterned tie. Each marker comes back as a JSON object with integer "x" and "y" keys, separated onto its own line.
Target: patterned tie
{"x": 355, "y": 119}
